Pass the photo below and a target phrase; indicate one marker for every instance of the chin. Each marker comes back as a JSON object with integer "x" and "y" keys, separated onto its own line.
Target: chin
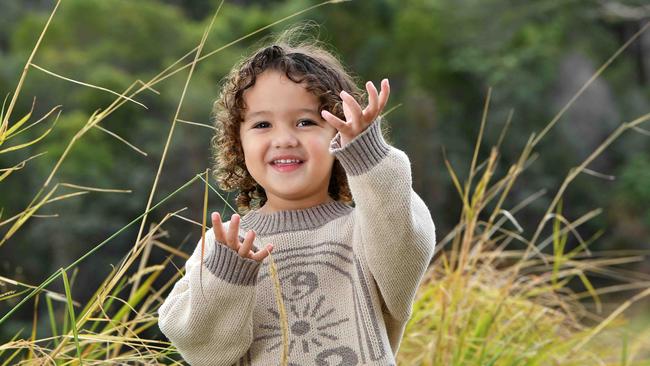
{"x": 290, "y": 195}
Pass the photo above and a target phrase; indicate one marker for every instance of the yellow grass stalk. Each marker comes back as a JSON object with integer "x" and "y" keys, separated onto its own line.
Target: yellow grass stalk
{"x": 203, "y": 226}
{"x": 284, "y": 323}
{"x": 4, "y": 125}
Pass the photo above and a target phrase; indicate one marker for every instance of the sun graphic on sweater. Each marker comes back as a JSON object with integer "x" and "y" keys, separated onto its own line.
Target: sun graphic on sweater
{"x": 308, "y": 326}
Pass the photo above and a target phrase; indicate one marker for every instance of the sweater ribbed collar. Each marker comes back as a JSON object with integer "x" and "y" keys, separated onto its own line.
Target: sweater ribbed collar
{"x": 292, "y": 220}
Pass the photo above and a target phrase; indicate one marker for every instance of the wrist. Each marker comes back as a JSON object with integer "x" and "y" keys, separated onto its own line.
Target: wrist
{"x": 363, "y": 152}
{"x": 227, "y": 264}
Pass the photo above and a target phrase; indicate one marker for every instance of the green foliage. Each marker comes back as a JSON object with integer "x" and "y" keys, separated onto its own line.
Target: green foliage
{"x": 133, "y": 29}
{"x": 634, "y": 186}
{"x": 92, "y": 158}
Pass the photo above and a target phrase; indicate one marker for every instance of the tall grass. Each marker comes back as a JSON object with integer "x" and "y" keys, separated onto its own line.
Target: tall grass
{"x": 481, "y": 303}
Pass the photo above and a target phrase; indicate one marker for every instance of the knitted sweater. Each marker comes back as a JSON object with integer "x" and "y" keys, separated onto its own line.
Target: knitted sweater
{"x": 348, "y": 274}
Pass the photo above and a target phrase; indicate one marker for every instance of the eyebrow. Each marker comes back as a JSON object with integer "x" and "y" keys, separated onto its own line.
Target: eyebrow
{"x": 265, "y": 112}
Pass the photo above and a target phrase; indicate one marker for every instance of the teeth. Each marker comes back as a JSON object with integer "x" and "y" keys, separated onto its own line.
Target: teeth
{"x": 285, "y": 161}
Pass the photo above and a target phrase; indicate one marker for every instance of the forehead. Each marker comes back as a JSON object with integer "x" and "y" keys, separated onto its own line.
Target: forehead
{"x": 274, "y": 92}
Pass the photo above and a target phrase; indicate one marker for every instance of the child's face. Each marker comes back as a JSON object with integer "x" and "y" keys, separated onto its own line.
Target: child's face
{"x": 282, "y": 119}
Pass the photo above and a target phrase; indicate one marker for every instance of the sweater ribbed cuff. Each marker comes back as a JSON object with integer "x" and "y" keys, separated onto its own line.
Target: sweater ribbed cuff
{"x": 363, "y": 152}
{"x": 228, "y": 265}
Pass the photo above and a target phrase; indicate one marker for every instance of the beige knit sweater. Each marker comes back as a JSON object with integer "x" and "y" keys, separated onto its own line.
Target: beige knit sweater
{"x": 348, "y": 274}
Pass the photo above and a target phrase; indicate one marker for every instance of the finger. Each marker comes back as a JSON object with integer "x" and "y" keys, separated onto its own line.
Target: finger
{"x": 373, "y": 100}
{"x": 333, "y": 120}
{"x": 248, "y": 243}
{"x": 351, "y": 107}
{"x": 232, "y": 238}
{"x": 383, "y": 95}
{"x": 263, "y": 253}
{"x": 217, "y": 227}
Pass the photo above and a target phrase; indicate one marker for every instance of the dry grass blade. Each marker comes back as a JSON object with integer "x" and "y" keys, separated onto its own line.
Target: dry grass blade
{"x": 22, "y": 217}
{"x": 203, "y": 227}
{"x": 93, "y": 189}
{"x": 196, "y": 124}
{"x": 641, "y": 130}
{"x": 284, "y": 323}
{"x": 88, "y": 85}
{"x": 5, "y": 121}
{"x": 119, "y": 138}
{"x": 7, "y": 171}
{"x": 223, "y": 199}
{"x": 172, "y": 250}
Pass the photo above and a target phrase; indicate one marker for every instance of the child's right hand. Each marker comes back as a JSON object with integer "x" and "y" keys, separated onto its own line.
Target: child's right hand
{"x": 231, "y": 238}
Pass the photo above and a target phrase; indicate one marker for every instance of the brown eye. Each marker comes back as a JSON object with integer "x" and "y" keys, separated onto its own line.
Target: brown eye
{"x": 260, "y": 125}
{"x": 308, "y": 121}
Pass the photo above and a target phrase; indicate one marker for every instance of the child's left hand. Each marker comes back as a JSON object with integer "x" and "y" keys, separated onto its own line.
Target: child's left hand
{"x": 356, "y": 119}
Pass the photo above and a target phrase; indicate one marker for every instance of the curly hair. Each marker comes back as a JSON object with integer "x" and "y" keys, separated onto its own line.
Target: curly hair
{"x": 305, "y": 62}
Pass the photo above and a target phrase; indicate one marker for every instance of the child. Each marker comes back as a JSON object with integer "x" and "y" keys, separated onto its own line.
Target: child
{"x": 296, "y": 144}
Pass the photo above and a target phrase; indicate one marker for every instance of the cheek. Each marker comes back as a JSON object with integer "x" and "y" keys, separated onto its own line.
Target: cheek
{"x": 319, "y": 145}
{"x": 250, "y": 145}
{"x": 250, "y": 154}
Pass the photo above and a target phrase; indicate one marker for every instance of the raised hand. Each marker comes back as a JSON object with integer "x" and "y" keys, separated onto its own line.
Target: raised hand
{"x": 356, "y": 119}
{"x": 231, "y": 238}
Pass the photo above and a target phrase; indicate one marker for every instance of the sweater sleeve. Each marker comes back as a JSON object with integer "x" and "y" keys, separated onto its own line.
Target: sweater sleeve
{"x": 397, "y": 234}
{"x": 210, "y": 320}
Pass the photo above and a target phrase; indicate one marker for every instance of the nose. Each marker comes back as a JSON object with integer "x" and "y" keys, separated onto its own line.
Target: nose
{"x": 284, "y": 137}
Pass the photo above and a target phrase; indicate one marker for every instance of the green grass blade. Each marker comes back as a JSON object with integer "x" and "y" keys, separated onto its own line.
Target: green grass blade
{"x": 26, "y": 144}
{"x": 592, "y": 291}
{"x": 17, "y": 125}
{"x": 50, "y": 312}
{"x": 71, "y": 312}
{"x": 13, "y": 355}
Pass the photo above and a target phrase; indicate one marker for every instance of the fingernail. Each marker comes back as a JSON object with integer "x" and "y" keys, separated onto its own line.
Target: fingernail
{"x": 213, "y": 216}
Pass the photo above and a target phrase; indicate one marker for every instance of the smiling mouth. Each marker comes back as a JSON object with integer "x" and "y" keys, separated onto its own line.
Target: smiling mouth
{"x": 286, "y": 161}
{"x": 286, "y": 167}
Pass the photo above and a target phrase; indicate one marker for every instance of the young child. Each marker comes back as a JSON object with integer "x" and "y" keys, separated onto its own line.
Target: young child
{"x": 296, "y": 144}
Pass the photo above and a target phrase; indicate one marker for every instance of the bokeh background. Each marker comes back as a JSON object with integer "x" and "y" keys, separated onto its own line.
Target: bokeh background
{"x": 441, "y": 57}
